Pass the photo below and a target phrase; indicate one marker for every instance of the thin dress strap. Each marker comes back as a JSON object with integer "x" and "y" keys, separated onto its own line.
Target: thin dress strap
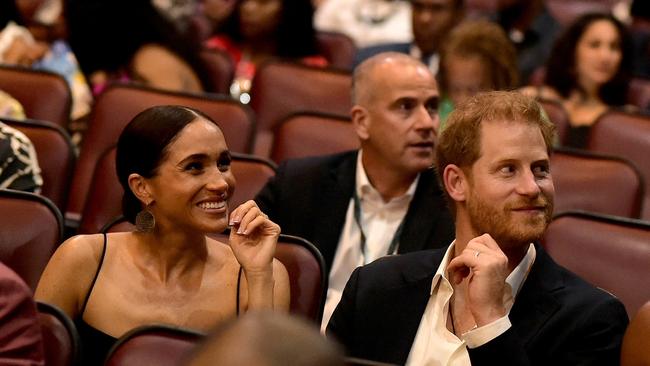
{"x": 238, "y": 285}
{"x": 92, "y": 284}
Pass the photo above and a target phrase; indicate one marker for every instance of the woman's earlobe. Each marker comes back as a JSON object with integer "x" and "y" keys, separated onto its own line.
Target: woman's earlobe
{"x": 140, "y": 188}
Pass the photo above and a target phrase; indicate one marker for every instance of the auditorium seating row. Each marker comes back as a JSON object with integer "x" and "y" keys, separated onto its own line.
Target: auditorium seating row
{"x": 608, "y": 251}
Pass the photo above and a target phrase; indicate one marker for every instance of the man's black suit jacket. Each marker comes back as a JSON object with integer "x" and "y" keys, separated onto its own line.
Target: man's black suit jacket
{"x": 310, "y": 197}
{"x": 557, "y": 318}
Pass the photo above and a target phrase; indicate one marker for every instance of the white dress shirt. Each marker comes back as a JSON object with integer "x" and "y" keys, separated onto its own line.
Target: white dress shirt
{"x": 379, "y": 219}
{"x": 434, "y": 344}
{"x": 392, "y": 23}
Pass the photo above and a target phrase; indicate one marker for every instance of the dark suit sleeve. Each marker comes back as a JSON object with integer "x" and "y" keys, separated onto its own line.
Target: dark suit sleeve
{"x": 342, "y": 322}
{"x": 593, "y": 339}
{"x": 20, "y": 330}
{"x": 269, "y": 198}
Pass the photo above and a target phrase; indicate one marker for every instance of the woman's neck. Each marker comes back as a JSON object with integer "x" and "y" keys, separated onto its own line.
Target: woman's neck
{"x": 167, "y": 254}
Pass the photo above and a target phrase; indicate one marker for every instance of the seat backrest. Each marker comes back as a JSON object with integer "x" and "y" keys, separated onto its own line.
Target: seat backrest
{"x": 626, "y": 135}
{"x": 31, "y": 228}
{"x": 105, "y": 194}
{"x": 636, "y": 343}
{"x": 566, "y": 11}
{"x": 596, "y": 183}
{"x": 639, "y": 92}
{"x": 120, "y": 103}
{"x": 610, "y": 252}
{"x": 309, "y": 134}
{"x": 303, "y": 261}
{"x": 307, "y": 276}
{"x": 337, "y": 48}
{"x": 60, "y": 337}
{"x": 220, "y": 70}
{"x": 43, "y": 95}
{"x": 251, "y": 173}
{"x": 558, "y": 115}
{"x": 281, "y": 88}
{"x": 55, "y": 153}
{"x": 159, "y": 345}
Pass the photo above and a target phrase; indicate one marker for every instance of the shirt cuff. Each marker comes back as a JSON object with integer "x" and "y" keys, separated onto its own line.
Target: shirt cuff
{"x": 480, "y": 336}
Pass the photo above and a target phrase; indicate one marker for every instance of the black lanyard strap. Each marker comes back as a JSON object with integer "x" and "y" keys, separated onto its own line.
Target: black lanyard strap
{"x": 394, "y": 243}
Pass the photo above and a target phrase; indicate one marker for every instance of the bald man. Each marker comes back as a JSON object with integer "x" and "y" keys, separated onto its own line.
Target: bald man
{"x": 383, "y": 199}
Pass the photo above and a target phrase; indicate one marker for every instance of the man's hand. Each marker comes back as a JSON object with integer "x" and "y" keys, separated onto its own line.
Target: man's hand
{"x": 486, "y": 268}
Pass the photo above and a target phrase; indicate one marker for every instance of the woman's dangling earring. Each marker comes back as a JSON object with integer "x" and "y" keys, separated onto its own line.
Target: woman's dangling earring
{"x": 145, "y": 222}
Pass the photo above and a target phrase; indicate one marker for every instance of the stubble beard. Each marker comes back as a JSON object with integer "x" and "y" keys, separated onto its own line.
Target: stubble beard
{"x": 501, "y": 224}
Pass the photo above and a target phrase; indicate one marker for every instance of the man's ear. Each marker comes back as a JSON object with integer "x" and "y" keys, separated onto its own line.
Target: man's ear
{"x": 140, "y": 188}
{"x": 456, "y": 183}
{"x": 360, "y": 121}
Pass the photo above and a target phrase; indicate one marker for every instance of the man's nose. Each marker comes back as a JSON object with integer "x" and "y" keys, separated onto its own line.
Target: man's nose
{"x": 528, "y": 185}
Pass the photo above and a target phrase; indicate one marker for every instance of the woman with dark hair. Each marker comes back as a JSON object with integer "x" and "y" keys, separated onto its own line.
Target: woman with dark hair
{"x": 129, "y": 40}
{"x": 258, "y": 30}
{"x": 174, "y": 166}
{"x": 588, "y": 72}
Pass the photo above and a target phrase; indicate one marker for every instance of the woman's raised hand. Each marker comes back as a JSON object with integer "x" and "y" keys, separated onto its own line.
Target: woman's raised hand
{"x": 253, "y": 238}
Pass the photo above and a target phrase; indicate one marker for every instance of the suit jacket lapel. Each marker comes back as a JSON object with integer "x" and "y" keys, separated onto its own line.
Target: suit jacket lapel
{"x": 337, "y": 188}
{"x": 535, "y": 304}
{"x": 403, "y": 314}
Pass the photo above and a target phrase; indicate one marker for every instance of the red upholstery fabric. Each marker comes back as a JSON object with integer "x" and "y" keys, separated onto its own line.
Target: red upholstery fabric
{"x": 337, "y": 48}
{"x": 596, "y": 183}
{"x": 55, "y": 154}
{"x": 30, "y": 231}
{"x": 558, "y": 115}
{"x": 639, "y": 92}
{"x": 566, "y": 11}
{"x": 158, "y": 345}
{"x": 60, "y": 337}
{"x": 220, "y": 68}
{"x": 310, "y": 134}
{"x": 120, "y": 103}
{"x": 611, "y": 253}
{"x": 282, "y": 88}
{"x": 251, "y": 173}
{"x": 626, "y": 135}
{"x": 635, "y": 350}
{"x": 44, "y": 95}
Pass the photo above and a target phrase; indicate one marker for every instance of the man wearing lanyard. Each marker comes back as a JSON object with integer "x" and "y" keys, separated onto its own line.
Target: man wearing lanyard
{"x": 383, "y": 199}
{"x": 494, "y": 296}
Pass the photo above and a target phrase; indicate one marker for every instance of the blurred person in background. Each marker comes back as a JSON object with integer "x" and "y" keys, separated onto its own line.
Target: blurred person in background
{"x": 267, "y": 339}
{"x": 431, "y": 22}
{"x": 477, "y": 57}
{"x": 130, "y": 41}
{"x": 259, "y": 30}
{"x": 587, "y": 72}
{"x": 531, "y": 27}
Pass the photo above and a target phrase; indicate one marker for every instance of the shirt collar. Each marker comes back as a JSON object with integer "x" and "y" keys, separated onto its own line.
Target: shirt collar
{"x": 364, "y": 187}
{"x": 515, "y": 279}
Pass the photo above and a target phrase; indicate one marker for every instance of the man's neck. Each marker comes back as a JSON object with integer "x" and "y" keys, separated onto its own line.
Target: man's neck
{"x": 388, "y": 182}
{"x": 466, "y": 232}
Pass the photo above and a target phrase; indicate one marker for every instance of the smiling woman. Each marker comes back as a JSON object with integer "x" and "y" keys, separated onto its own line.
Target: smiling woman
{"x": 588, "y": 72}
{"x": 174, "y": 166}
